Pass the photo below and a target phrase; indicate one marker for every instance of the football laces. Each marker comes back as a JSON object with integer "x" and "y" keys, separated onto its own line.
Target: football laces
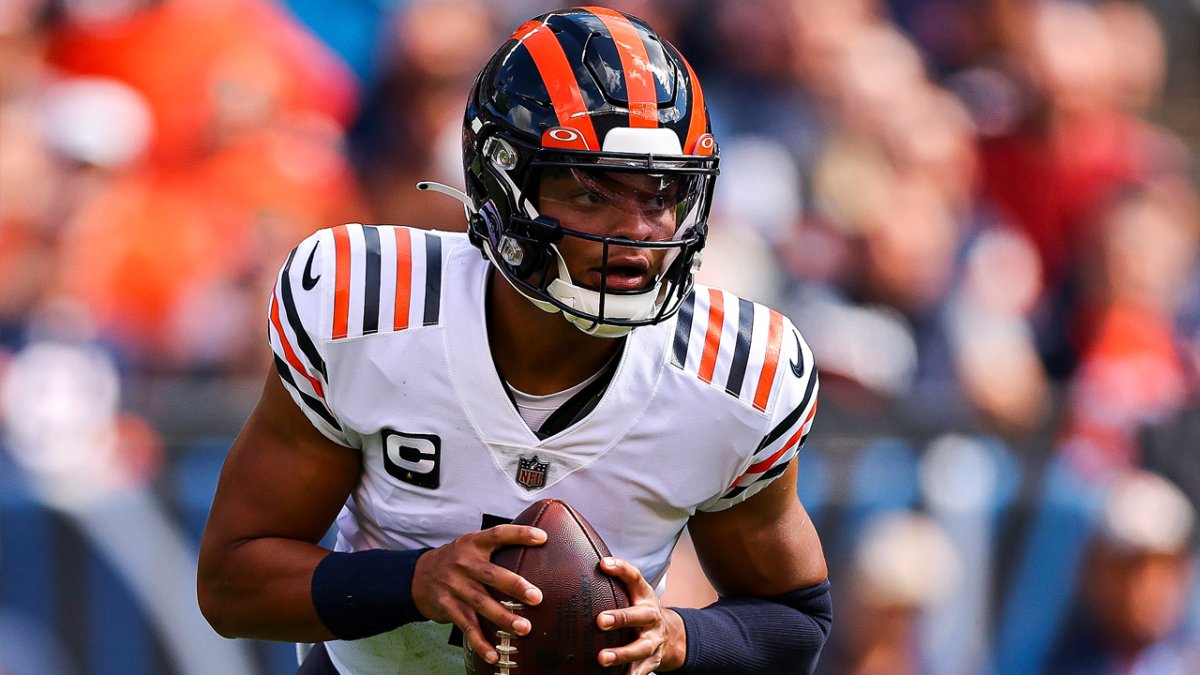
{"x": 506, "y": 649}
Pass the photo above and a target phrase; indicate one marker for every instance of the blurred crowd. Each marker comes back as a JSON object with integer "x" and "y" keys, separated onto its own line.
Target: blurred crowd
{"x": 965, "y": 205}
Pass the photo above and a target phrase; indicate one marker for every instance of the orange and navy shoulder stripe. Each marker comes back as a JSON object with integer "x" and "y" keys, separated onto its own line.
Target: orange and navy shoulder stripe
{"x": 729, "y": 342}
{"x": 782, "y": 443}
{"x": 790, "y": 420}
{"x": 349, "y": 281}
{"x": 386, "y": 279}
{"x": 297, "y": 357}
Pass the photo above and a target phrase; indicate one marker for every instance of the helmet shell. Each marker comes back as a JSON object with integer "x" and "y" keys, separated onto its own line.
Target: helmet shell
{"x": 567, "y": 88}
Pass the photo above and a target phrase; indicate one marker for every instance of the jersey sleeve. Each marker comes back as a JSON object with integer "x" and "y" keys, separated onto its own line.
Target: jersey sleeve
{"x": 296, "y": 317}
{"x": 790, "y": 420}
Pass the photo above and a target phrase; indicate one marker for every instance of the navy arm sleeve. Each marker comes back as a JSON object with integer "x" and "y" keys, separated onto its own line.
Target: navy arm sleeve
{"x": 780, "y": 634}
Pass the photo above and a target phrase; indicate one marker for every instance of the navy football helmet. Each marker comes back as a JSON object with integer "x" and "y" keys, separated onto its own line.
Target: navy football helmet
{"x": 596, "y": 93}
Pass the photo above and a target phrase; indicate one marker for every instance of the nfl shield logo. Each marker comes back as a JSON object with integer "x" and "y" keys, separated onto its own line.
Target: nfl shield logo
{"x": 531, "y": 473}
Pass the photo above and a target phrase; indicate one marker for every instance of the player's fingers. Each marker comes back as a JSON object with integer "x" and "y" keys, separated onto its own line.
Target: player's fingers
{"x": 641, "y": 648}
{"x": 634, "y": 581}
{"x": 628, "y": 617}
{"x": 502, "y": 614}
{"x": 474, "y": 636}
{"x": 510, "y": 584}
{"x": 510, "y": 535}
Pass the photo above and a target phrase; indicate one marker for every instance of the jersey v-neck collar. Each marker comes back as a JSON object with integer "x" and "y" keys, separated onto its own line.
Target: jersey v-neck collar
{"x": 485, "y": 398}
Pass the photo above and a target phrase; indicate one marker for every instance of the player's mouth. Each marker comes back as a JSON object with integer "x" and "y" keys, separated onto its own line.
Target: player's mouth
{"x": 623, "y": 274}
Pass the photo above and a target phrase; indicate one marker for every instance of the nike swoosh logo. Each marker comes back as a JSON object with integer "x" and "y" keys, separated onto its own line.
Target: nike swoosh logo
{"x": 309, "y": 281}
{"x": 798, "y": 368}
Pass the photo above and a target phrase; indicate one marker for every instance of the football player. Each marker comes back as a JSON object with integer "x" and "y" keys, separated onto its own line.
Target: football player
{"x": 426, "y": 393}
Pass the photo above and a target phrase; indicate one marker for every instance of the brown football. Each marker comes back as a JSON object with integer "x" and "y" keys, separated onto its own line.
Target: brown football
{"x": 564, "y": 639}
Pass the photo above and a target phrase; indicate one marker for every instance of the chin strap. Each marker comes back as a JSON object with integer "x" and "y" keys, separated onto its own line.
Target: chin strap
{"x": 633, "y": 306}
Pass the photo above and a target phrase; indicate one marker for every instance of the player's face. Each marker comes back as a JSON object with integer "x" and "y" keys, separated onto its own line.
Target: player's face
{"x": 633, "y": 206}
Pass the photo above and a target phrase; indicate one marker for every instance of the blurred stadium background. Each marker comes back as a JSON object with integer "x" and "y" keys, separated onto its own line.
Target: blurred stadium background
{"x": 983, "y": 214}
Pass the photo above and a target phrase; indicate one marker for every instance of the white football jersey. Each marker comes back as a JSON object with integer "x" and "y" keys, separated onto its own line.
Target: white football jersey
{"x": 379, "y": 335}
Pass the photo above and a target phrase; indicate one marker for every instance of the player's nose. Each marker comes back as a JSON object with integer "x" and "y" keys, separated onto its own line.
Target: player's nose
{"x": 639, "y": 225}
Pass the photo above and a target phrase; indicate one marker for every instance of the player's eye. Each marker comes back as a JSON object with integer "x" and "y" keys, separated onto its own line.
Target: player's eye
{"x": 585, "y": 198}
{"x": 653, "y": 204}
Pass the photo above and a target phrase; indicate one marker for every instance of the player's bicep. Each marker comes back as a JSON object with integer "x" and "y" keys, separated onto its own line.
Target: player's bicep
{"x": 282, "y": 485}
{"x": 281, "y": 478}
{"x": 763, "y": 546}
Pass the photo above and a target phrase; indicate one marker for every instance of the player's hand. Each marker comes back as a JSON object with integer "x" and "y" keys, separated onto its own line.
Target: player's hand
{"x": 662, "y": 641}
{"x": 450, "y": 584}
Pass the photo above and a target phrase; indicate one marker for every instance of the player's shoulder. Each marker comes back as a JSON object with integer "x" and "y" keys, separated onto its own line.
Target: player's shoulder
{"x": 368, "y": 279}
{"x": 751, "y": 351}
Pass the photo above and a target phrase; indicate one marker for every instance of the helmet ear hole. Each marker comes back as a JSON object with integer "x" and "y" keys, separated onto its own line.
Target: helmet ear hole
{"x": 526, "y": 246}
{"x": 534, "y": 260}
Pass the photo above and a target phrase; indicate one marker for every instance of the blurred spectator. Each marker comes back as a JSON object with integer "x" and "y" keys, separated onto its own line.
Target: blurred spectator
{"x": 1068, "y": 140}
{"x": 994, "y": 355}
{"x": 1132, "y": 370}
{"x": 884, "y": 233}
{"x": 768, "y": 91}
{"x": 32, "y": 182}
{"x": 949, "y": 33}
{"x": 200, "y": 166}
{"x": 897, "y": 298}
{"x": 1140, "y": 67}
{"x": 207, "y": 68}
{"x": 171, "y": 260}
{"x": 409, "y": 127}
{"x": 1172, "y": 449}
{"x": 754, "y": 209}
{"x": 903, "y": 563}
{"x": 1135, "y": 587}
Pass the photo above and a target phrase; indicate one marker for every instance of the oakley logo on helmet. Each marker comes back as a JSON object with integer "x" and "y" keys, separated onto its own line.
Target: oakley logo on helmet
{"x": 564, "y": 138}
{"x": 563, "y": 134}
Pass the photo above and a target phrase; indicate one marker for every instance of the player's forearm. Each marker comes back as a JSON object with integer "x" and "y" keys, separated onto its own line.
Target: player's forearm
{"x": 782, "y": 634}
{"x": 261, "y": 588}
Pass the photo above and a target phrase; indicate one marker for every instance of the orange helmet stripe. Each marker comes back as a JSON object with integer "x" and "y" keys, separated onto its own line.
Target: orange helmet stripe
{"x": 639, "y": 80}
{"x": 698, "y": 124}
{"x": 524, "y": 28}
{"x": 560, "y": 82}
